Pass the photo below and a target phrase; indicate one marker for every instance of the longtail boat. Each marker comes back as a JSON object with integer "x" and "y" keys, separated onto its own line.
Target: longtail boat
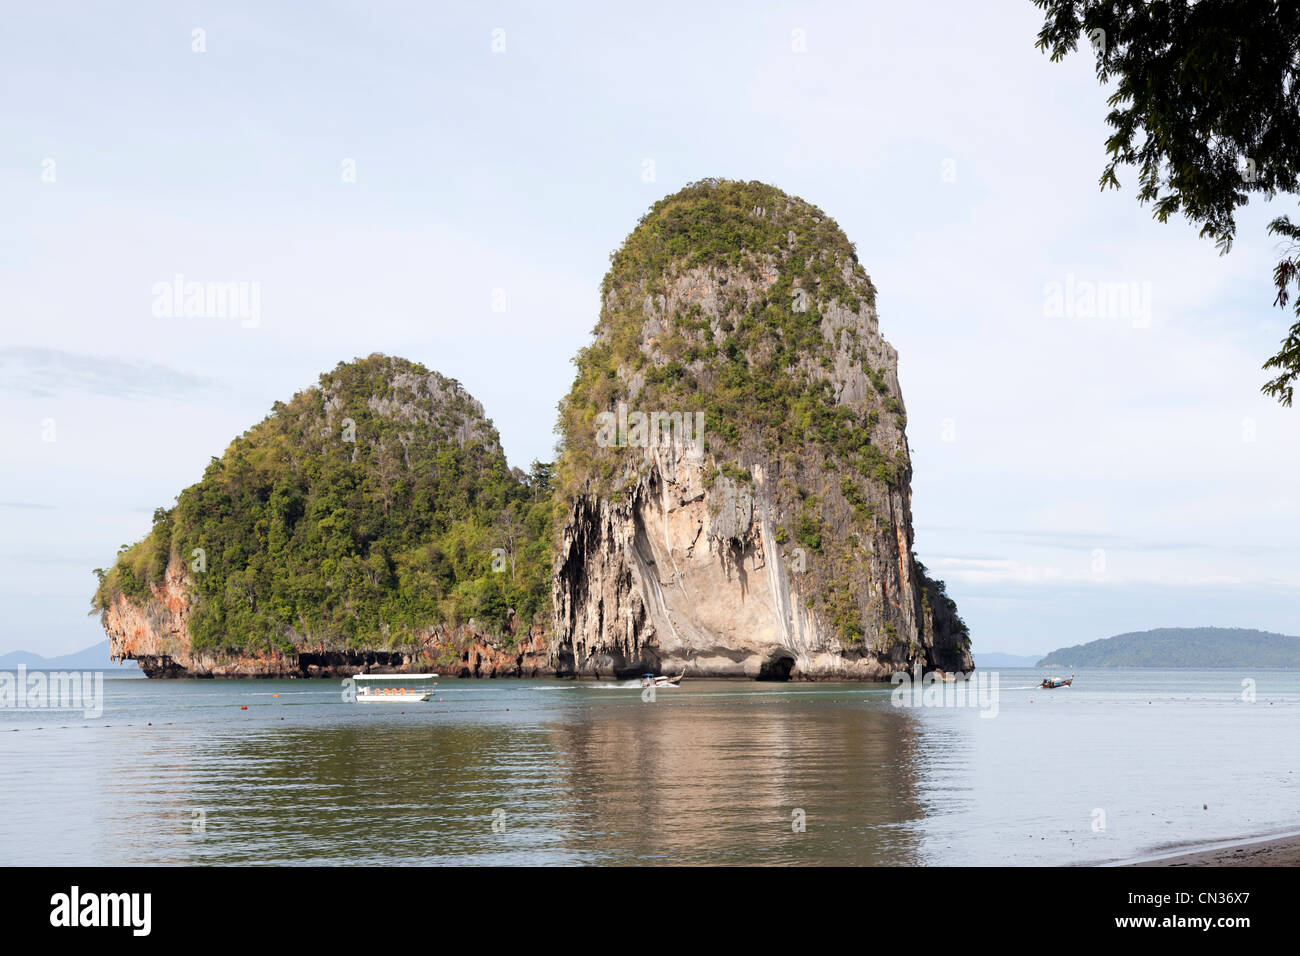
{"x": 650, "y": 680}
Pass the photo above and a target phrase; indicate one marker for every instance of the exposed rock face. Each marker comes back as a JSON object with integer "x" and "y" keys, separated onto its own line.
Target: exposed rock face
{"x": 155, "y": 634}
{"x": 752, "y": 555}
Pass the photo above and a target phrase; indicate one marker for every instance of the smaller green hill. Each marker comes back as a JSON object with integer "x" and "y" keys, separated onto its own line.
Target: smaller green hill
{"x": 372, "y": 505}
{"x": 1190, "y": 647}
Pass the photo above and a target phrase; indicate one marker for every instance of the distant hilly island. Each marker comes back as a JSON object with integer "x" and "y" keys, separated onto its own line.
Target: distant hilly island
{"x": 1183, "y": 647}
{"x": 94, "y": 658}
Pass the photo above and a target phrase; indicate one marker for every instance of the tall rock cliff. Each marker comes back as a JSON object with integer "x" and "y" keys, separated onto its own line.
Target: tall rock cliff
{"x": 735, "y": 472}
{"x": 370, "y": 521}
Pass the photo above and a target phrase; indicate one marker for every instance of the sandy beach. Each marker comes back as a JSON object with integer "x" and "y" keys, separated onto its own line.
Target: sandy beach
{"x": 1276, "y": 851}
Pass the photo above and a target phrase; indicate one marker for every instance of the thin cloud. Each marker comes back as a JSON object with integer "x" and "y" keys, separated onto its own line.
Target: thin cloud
{"x": 45, "y": 373}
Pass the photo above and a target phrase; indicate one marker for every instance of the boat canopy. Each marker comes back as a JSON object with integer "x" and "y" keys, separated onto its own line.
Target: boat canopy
{"x": 393, "y": 677}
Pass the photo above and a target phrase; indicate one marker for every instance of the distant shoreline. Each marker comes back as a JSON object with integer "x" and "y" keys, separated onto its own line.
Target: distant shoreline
{"x": 1209, "y": 648}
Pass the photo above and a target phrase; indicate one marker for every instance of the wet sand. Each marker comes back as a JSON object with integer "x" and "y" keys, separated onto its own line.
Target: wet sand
{"x": 1277, "y": 851}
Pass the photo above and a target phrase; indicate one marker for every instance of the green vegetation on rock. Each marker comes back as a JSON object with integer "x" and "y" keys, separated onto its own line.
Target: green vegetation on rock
{"x": 758, "y": 368}
{"x": 369, "y": 507}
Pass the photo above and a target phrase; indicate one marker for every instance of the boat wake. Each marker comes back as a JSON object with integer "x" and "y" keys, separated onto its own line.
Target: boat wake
{"x": 623, "y": 685}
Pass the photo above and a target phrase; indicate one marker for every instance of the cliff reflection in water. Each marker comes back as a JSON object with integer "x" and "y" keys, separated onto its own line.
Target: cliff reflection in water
{"x": 710, "y": 774}
{"x": 721, "y": 781}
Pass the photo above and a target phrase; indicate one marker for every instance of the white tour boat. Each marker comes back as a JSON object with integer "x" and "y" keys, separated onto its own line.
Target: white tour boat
{"x": 391, "y": 688}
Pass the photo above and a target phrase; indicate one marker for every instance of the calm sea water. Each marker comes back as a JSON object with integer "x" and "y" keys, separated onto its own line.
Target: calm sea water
{"x": 1123, "y": 764}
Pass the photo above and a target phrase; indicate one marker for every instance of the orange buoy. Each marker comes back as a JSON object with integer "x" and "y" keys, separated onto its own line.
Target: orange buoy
{"x": 245, "y": 707}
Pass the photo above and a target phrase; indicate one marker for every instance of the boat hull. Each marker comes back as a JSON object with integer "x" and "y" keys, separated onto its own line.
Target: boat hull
{"x": 662, "y": 681}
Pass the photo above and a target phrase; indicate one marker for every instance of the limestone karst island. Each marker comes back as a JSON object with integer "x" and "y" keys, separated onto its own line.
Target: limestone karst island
{"x": 734, "y": 435}
{"x": 730, "y": 498}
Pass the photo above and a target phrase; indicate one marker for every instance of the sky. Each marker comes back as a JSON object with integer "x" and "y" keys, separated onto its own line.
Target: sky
{"x": 446, "y": 183}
